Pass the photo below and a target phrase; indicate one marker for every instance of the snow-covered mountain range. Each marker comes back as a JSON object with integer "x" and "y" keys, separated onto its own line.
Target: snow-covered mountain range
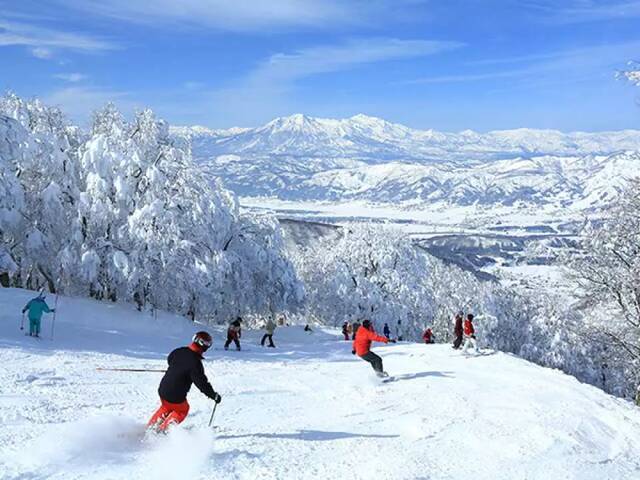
{"x": 367, "y": 158}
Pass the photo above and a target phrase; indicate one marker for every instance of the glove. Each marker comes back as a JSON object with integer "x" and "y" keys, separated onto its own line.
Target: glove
{"x": 392, "y": 341}
{"x": 53, "y": 310}
{"x": 216, "y": 398}
{"x": 353, "y": 352}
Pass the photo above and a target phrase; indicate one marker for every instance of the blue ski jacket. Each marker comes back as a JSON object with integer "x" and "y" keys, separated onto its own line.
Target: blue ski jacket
{"x": 36, "y": 308}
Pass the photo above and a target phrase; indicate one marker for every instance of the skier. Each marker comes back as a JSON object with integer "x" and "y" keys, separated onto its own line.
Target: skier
{"x": 269, "y": 328}
{"x": 386, "y": 330}
{"x": 36, "y": 306}
{"x": 307, "y": 328}
{"x": 356, "y": 326}
{"x": 428, "y": 336}
{"x": 457, "y": 330}
{"x": 345, "y": 330}
{"x": 234, "y": 332}
{"x": 399, "y": 334}
{"x": 469, "y": 335}
{"x": 362, "y": 347}
{"x": 185, "y": 368}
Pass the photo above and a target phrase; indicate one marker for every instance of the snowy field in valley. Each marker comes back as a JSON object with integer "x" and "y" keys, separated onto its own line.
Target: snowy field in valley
{"x": 418, "y": 219}
{"x": 307, "y": 409}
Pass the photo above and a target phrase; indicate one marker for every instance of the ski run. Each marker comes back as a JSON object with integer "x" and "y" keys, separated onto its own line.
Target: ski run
{"x": 306, "y": 409}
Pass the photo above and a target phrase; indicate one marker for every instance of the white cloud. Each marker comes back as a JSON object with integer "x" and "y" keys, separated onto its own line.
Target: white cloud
{"x": 43, "y": 41}
{"x": 193, "y": 85}
{"x": 80, "y": 102}
{"x": 71, "y": 77}
{"x": 41, "y": 52}
{"x": 246, "y": 15}
{"x": 565, "y": 64}
{"x": 265, "y": 91}
{"x": 286, "y": 67}
{"x": 581, "y": 11}
{"x": 471, "y": 77}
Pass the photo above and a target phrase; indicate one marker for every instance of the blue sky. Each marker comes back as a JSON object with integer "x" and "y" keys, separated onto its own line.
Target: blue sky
{"x": 442, "y": 64}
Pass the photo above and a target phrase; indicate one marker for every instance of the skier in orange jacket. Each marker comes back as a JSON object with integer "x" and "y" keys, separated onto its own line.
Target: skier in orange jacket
{"x": 362, "y": 347}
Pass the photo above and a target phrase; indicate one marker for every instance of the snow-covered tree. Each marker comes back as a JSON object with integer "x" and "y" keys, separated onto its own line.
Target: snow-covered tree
{"x": 369, "y": 272}
{"x": 631, "y": 74}
{"x": 122, "y": 213}
{"x": 608, "y": 275}
{"x": 374, "y": 272}
{"x": 42, "y": 161}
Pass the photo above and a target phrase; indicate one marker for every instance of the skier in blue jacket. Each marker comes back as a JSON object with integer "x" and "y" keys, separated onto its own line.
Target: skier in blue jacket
{"x": 36, "y": 307}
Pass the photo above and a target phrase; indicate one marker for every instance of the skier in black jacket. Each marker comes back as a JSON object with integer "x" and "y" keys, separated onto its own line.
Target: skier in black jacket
{"x": 185, "y": 368}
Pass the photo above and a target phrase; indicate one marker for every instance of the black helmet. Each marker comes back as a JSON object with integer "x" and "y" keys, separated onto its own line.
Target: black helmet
{"x": 366, "y": 324}
{"x": 203, "y": 340}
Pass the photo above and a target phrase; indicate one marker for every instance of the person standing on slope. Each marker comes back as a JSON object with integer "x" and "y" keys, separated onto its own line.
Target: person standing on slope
{"x": 362, "y": 347}
{"x": 345, "y": 330}
{"x": 458, "y": 330}
{"x": 386, "y": 330}
{"x": 356, "y": 326}
{"x": 234, "y": 332}
{"x": 469, "y": 335}
{"x": 269, "y": 328}
{"x": 399, "y": 331}
{"x": 185, "y": 368}
{"x": 36, "y": 307}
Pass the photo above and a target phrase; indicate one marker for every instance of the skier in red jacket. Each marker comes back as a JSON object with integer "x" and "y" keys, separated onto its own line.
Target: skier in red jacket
{"x": 427, "y": 336}
{"x": 362, "y": 347}
{"x": 469, "y": 335}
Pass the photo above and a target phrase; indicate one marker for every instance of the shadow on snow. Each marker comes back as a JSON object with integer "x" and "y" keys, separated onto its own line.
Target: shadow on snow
{"x": 309, "y": 435}
{"x": 411, "y": 376}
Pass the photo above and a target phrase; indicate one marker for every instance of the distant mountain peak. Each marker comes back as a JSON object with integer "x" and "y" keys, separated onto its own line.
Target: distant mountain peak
{"x": 299, "y": 157}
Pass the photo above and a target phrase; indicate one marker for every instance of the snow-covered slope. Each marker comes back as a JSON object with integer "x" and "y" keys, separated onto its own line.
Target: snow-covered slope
{"x": 366, "y": 158}
{"x": 307, "y": 409}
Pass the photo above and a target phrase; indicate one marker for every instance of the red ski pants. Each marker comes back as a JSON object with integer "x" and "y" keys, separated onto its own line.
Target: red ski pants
{"x": 169, "y": 413}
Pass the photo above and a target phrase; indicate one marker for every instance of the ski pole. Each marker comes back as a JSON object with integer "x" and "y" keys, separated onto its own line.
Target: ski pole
{"x": 215, "y": 405}
{"x": 100, "y": 369}
{"x": 22, "y": 322}
{"x": 55, "y": 310}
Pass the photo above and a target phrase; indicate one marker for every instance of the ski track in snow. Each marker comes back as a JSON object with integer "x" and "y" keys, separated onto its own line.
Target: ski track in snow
{"x": 307, "y": 409}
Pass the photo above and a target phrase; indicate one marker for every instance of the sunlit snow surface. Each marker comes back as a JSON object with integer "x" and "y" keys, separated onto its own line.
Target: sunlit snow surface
{"x": 307, "y": 409}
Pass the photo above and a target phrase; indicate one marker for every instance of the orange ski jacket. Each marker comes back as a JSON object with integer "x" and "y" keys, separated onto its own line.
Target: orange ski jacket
{"x": 364, "y": 337}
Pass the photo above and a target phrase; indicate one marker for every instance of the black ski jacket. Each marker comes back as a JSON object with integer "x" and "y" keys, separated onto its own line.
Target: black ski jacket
{"x": 185, "y": 368}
